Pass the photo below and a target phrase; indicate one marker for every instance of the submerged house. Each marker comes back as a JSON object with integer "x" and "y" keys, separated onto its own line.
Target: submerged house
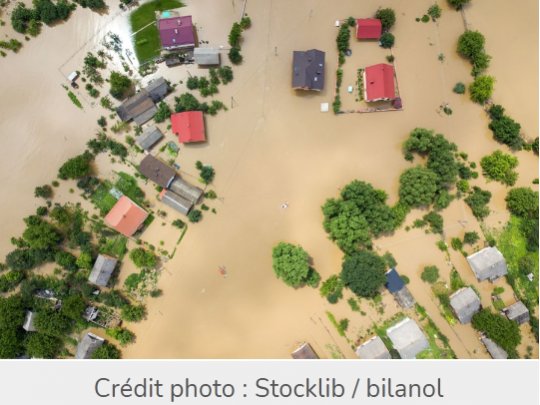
{"x": 206, "y": 56}
{"x": 102, "y": 270}
{"x": 308, "y": 70}
{"x": 465, "y": 303}
{"x": 368, "y": 28}
{"x": 175, "y": 201}
{"x": 184, "y": 189}
{"x": 488, "y": 264}
{"x": 304, "y": 351}
{"x": 189, "y": 126}
{"x": 176, "y": 33}
{"x": 396, "y": 286}
{"x": 157, "y": 171}
{"x": 149, "y": 137}
{"x": 141, "y": 107}
{"x": 126, "y": 217}
{"x": 407, "y": 338}
{"x": 517, "y": 312}
{"x": 88, "y": 345}
{"x": 379, "y": 83}
{"x": 28, "y": 324}
{"x": 374, "y": 348}
{"x": 495, "y": 351}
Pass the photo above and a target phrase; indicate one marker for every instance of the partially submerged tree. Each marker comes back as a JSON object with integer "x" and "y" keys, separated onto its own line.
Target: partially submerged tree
{"x": 291, "y": 264}
{"x": 363, "y": 273}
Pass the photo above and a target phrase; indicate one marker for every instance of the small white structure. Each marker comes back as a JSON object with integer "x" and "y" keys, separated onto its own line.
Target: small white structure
{"x": 29, "y": 322}
{"x": 206, "y": 56}
{"x": 407, "y": 338}
{"x": 72, "y": 77}
{"x": 324, "y": 107}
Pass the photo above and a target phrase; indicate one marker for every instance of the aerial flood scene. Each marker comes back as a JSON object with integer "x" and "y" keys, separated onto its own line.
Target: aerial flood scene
{"x": 269, "y": 179}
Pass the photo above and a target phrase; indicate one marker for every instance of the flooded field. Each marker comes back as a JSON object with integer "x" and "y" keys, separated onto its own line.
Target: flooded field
{"x": 274, "y": 146}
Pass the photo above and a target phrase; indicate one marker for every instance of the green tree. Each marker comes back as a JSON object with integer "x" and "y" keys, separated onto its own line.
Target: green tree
{"x": 53, "y": 323}
{"x": 73, "y": 306}
{"x": 124, "y": 336}
{"x": 291, "y": 264}
{"x": 506, "y": 130}
{"x": 458, "y": 4}
{"x": 332, "y": 289}
{"x": 435, "y": 222}
{"x": 207, "y": 174}
{"x": 417, "y": 186}
{"x": 187, "y": 102}
{"x": 133, "y": 313}
{"x": 41, "y": 346}
{"x": 235, "y": 56}
{"x": 26, "y": 259}
{"x": 430, "y": 274}
{"x": 39, "y": 234}
{"x": 76, "y": 167}
{"x": 66, "y": 260}
{"x": 478, "y": 201}
{"x": 481, "y": 89}
{"x": 44, "y": 191}
{"x": 471, "y": 238}
{"x": 163, "y": 112}
{"x": 225, "y": 74}
{"x": 84, "y": 261}
{"x": 21, "y": 17}
{"x": 434, "y": 11}
{"x": 343, "y": 38}
{"x": 387, "y": 17}
{"x": 346, "y": 225}
{"x": 195, "y": 216}
{"x": 523, "y": 202}
{"x": 500, "y": 166}
{"x": 470, "y": 44}
{"x": 459, "y": 88}
{"x": 363, "y": 273}
{"x": 387, "y": 40}
{"x": 143, "y": 259}
{"x": 235, "y": 35}
{"x": 106, "y": 351}
{"x": 498, "y": 328}
{"x": 121, "y": 85}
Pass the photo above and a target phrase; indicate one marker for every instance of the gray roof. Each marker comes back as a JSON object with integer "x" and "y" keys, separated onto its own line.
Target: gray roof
{"x": 488, "y": 264}
{"x": 517, "y": 312}
{"x": 157, "y": 171}
{"x": 88, "y": 345}
{"x": 137, "y": 108}
{"x": 308, "y": 70}
{"x": 304, "y": 351}
{"x": 206, "y": 56}
{"x": 374, "y": 348}
{"x": 186, "y": 190}
{"x": 29, "y": 322}
{"x": 407, "y": 338}
{"x": 465, "y": 304}
{"x": 175, "y": 201}
{"x": 157, "y": 89}
{"x": 494, "y": 349}
{"x": 149, "y": 137}
{"x": 404, "y": 298}
{"x": 102, "y": 270}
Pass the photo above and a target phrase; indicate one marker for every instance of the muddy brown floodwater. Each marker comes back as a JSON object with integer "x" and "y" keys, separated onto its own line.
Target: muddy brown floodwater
{"x": 274, "y": 146}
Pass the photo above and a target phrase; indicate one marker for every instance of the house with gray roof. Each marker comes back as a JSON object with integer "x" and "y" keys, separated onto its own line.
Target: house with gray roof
{"x": 157, "y": 171}
{"x": 149, "y": 137}
{"x": 304, "y": 351}
{"x": 517, "y": 312}
{"x": 175, "y": 201}
{"x": 488, "y": 264}
{"x": 102, "y": 271}
{"x": 407, "y": 338}
{"x": 28, "y": 324}
{"x": 206, "y": 56}
{"x": 496, "y": 351}
{"x": 186, "y": 190}
{"x": 308, "y": 70}
{"x": 374, "y": 348}
{"x": 465, "y": 303}
{"x": 141, "y": 107}
{"x": 157, "y": 89}
{"x": 88, "y": 345}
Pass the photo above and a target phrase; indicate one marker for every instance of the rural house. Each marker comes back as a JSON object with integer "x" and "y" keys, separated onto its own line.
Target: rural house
{"x": 407, "y": 338}
{"x": 488, "y": 264}
{"x": 379, "y": 83}
{"x": 176, "y": 32}
{"x": 149, "y": 137}
{"x": 368, "y": 28}
{"x": 157, "y": 171}
{"x": 465, "y": 303}
{"x": 517, "y": 312}
{"x": 88, "y": 345}
{"x": 308, "y": 70}
{"x": 141, "y": 107}
{"x": 189, "y": 126}
{"x": 102, "y": 270}
{"x": 374, "y": 348}
{"x": 126, "y": 217}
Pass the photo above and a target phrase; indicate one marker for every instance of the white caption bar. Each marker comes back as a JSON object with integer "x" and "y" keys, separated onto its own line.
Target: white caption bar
{"x": 280, "y": 382}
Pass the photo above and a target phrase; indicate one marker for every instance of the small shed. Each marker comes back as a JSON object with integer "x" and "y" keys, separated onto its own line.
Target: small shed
{"x": 175, "y": 201}
{"x": 304, "y": 351}
{"x": 517, "y": 312}
{"x": 102, "y": 270}
{"x": 374, "y": 348}
{"x": 206, "y": 56}
{"x": 149, "y": 137}
{"x": 407, "y": 338}
{"x": 488, "y": 264}
{"x": 188, "y": 191}
{"x": 496, "y": 351}
{"x": 157, "y": 171}
{"x": 368, "y": 28}
{"x": 396, "y": 286}
{"x": 465, "y": 303}
{"x": 88, "y": 345}
{"x": 28, "y": 324}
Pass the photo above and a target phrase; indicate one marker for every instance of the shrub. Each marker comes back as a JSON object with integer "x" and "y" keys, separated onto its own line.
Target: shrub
{"x": 41, "y": 346}
{"x": 481, "y": 89}
{"x": 66, "y": 260}
{"x": 387, "y": 17}
{"x": 194, "y": 216}
{"x": 235, "y": 56}
{"x": 73, "y": 306}
{"x": 459, "y": 88}
{"x": 143, "y": 259}
{"x": 133, "y": 313}
{"x": 291, "y": 264}
{"x": 235, "y": 35}
{"x": 207, "y": 174}
{"x": 245, "y": 22}
{"x": 506, "y": 130}
{"x": 76, "y": 167}
{"x": 124, "y": 336}
{"x": 363, "y": 273}
{"x": 523, "y": 202}
{"x": 225, "y": 74}
{"x": 84, "y": 261}
{"x": 102, "y": 121}
{"x": 53, "y": 323}
{"x": 470, "y": 238}
{"x": 458, "y": 4}
{"x": 106, "y": 351}
{"x": 435, "y": 222}
{"x": 178, "y": 223}
{"x": 417, "y": 186}
{"x": 163, "y": 112}
{"x": 434, "y": 12}
{"x": 44, "y": 191}
{"x": 456, "y": 244}
{"x": 332, "y": 289}
{"x": 387, "y": 40}
{"x": 430, "y": 274}
{"x": 478, "y": 201}
{"x": 343, "y": 38}
{"x": 121, "y": 85}
{"x": 500, "y": 166}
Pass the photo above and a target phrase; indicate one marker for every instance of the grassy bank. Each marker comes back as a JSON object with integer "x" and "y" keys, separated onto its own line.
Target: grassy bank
{"x": 146, "y": 42}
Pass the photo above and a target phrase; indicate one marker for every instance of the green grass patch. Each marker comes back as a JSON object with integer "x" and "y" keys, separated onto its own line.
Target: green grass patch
{"x": 380, "y": 330}
{"x": 128, "y": 186}
{"x": 146, "y": 42}
{"x": 102, "y": 199}
{"x": 439, "y": 346}
{"x": 115, "y": 246}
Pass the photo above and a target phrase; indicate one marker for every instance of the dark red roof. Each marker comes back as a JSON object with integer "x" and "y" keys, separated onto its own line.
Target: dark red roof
{"x": 368, "y": 28}
{"x": 176, "y": 32}
{"x": 188, "y": 126}
{"x": 379, "y": 82}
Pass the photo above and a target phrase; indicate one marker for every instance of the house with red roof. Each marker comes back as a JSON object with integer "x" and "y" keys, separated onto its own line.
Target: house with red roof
{"x": 188, "y": 126}
{"x": 379, "y": 83}
{"x": 126, "y": 217}
{"x": 176, "y": 32}
{"x": 368, "y": 28}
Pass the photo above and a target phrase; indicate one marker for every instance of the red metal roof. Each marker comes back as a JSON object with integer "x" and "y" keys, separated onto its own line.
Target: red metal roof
{"x": 188, "y": 126}
{"x": 379, "y": 82}
{"x": 126, "y": 216}
{"x": 368, "y": 28}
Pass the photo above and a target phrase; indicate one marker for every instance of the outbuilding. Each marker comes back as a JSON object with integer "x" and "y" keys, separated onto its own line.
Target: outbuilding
{"x": 304, "y": 351}
{"x": 149, "y": 137}
{"x": 397, "y": 287}
{"x": 495, "y": 351}
{"x": 88, "y": 345}
{"x": 517, "y": 312}
{"x": 488, "y": 264}
{"x": 186, "y": 190}
{"x": 368, "y": 28}
{"x": 465, "y": 303}
{"x": 28, "y": 324}
{"x": 175, "y": 201}
{"x": 374, "y": 348}
{"x": 206, "y": 56}
{"x": 102, "y": 271}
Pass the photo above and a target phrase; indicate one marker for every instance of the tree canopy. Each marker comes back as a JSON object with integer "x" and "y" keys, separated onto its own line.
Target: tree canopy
{"x": 41, "y": 346}
{"x": 481, "y": 89}
{"x": 498, "y": 328}
{"x": 387, "y": 17}
{"x": 458, "y": 4}
{"x": 76, "y": 167}
{"x": 291, "y": 264}
{"x": 417, "y": 186}
{"x": 121, "y": 85}
{"x": 363, "y": 273}
{"x": 143, "y": 259}
{"x": 523, "y": 202}
{"x": 478, "y": 201}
